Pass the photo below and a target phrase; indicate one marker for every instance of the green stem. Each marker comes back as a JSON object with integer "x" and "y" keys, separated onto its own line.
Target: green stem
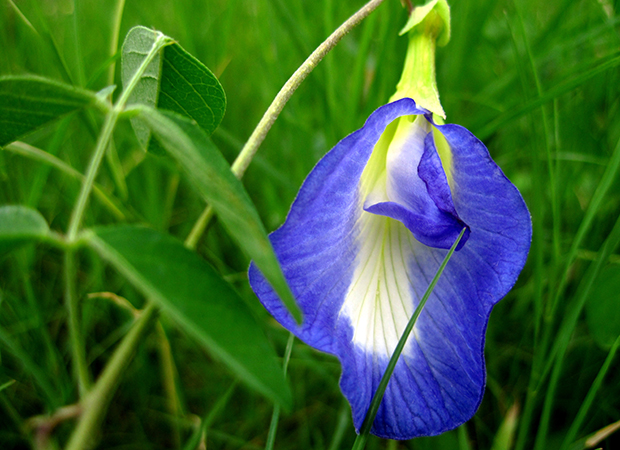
{"x": 97, "y": 400}
{"x": 169, "y": 375}
{"x": 360, "y": 441}
{"x": 199, "y": 227}
{"x": 259, "y": 134}
{"x": 78, "y": 353}
{"x": 273, "y": 427}
{"x": 276, "y": 107}
{"x": 71, "y": 299}
{"x": 91, "y": 173}
{"x": 116, "y": 26}
{"x": 106, "y": 135}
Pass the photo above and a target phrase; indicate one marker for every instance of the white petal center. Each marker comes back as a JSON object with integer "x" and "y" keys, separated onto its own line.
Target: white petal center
{"x": 380, "y": 300}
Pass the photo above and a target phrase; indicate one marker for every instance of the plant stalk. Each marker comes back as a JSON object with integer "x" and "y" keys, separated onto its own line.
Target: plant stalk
{"x": 71, "y": 298}
{"x": 257, "y": 137}
{"x": 78, "y": 353}
{"x": 96, "y": 402}
{"x": 89, "y": 180}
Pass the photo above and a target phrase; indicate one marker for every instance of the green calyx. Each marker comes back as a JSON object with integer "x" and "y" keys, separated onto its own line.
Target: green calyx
{"x": 433, "y": 19}
{"x": 427, "y": 27}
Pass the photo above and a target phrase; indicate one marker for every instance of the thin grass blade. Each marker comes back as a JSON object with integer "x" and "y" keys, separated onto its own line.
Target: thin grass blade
{"x": 360, "y": 441}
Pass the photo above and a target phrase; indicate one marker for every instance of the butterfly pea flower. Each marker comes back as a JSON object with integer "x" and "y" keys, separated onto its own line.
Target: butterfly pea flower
{"x": 365, "y": 236}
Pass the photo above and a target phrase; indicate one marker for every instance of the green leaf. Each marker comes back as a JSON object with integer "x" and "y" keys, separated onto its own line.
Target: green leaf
{"x": 211, "y": 175}
{"x": 203, "y": 304}
{"x": 177, "y": 82}
{"x": 189, "y": 88}
{"x": 603, "y": 307}
{"x": 29, "y": 102}
{"x": 137, "y": 44}
{"x": 20, "y": 225}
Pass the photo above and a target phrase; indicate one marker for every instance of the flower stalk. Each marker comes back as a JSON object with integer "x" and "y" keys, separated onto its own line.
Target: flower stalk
{"x": 259, "y": 134}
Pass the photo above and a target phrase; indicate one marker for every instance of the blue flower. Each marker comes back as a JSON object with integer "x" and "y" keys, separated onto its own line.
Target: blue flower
{"x": 365, "y": 236}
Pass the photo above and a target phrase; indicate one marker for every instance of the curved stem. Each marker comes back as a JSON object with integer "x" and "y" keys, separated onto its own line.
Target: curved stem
{"x": 257, "y": 137}
{"x": 276, "y": 107}
{"x": 91, "y": 173}
{"x": 71, "y": 298}
{"x": 199, "y": 227}
{"x": 105, "y": 136}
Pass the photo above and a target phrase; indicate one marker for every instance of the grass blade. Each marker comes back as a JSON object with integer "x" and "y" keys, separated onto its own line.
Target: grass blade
{"x": 561, "y": 88}
{"x": 361, "y": 439}
{"x": 587, "y": 403}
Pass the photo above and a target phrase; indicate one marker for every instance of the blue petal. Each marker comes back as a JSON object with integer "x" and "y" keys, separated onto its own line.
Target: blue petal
{"x": 413, "y": 188}
{"x": 358, "y": 276}
{"x": 316, "y": 245}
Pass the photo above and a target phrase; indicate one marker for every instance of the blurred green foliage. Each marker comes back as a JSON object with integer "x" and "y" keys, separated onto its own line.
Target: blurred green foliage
{"x": 504, "y": 55}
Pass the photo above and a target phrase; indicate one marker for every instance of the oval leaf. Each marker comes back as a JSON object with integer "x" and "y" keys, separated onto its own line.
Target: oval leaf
{"x": 603, "y": 307}
{"x": 177, "y": 82}
{"x": 211, "y": 176}
{"x": 20, "y": 225}
{"x": 189, "y": 88}
{"x": 29, "y": 102}
{"x": 136, "y": 47}
{"x": 203, "y": 304}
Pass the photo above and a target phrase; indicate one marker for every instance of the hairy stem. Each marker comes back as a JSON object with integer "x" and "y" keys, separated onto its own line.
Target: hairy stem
{"x": 257, "y": 137}
{"x": 276, "y": 107}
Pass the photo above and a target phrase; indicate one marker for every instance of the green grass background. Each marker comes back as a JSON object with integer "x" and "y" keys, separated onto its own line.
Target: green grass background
{"x": 504, "y": 56}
